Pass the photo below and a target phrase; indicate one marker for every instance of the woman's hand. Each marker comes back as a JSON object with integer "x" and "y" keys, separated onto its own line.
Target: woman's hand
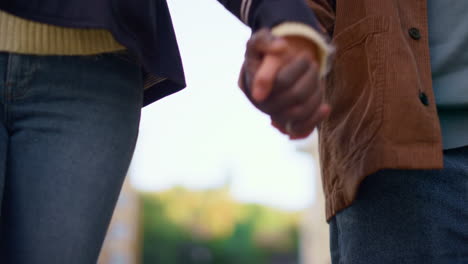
{"x": 281, "y": 77}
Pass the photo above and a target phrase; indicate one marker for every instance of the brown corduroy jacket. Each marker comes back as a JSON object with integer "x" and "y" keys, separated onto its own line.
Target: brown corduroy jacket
{"x": 384, "y": 114}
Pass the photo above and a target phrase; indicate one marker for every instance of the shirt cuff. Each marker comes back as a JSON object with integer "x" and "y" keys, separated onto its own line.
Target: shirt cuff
{"x": 306, "y": 31}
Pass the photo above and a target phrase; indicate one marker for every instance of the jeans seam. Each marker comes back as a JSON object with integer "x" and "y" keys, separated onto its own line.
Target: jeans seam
{"x": 339, "y": 241}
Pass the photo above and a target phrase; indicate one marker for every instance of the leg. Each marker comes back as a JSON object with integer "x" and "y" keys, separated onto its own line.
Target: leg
{"x": 403, "y": 216}
{"x": 334, "y": 243}
{"x": 3, "y": 133}
{"x": 3, "y": 159}
{"x": 74, "y": 123}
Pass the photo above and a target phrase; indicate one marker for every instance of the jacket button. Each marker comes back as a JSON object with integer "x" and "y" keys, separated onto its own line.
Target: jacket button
{"x": 414, "y": 33}
{"x": 424, "y": 99}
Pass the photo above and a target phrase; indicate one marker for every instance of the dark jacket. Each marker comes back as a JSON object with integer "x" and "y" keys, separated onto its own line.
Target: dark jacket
{"x": 145, "y": 27}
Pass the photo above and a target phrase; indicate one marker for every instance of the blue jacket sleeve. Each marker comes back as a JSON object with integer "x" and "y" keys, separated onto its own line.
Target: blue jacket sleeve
{"x": 269, "y": 13}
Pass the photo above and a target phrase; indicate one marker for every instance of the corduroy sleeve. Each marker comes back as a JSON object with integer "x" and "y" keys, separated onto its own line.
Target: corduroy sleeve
{"x": 324, "y": 10}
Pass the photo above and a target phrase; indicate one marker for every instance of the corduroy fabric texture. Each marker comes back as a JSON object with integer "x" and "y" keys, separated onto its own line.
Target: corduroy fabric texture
{"x": 384, "y": 114}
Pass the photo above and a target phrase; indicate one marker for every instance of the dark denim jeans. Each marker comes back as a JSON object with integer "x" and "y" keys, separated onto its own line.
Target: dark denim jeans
{"x": 403, "y": 216}
{"x": 67, "y": 134}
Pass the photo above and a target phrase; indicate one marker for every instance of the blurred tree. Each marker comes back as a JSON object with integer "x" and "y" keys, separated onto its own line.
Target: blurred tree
{"x": 209, "y": 227}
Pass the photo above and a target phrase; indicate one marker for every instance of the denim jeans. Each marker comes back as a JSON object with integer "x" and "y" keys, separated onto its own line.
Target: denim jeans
{"x": 404, "y": 216}
{"x": 68, "y": 129}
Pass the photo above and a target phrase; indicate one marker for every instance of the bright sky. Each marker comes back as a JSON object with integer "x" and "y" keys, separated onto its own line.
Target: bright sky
{"x": 209, "y": 134}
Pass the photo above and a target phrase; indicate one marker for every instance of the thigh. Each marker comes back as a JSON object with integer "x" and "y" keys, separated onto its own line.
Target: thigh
{"x": 334, "y": 242}
{"x": 3, "y": 130}
{"x": 403, "y": 216}
{"x": 74, "y": 123}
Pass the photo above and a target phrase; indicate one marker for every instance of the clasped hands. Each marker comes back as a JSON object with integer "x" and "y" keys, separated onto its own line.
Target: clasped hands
{"x": 281, "y": 77}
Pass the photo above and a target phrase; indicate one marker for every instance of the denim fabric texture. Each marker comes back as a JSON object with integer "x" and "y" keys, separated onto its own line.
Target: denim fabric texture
{"x": 407, "y": 216}
{"x": 68, "y": 129}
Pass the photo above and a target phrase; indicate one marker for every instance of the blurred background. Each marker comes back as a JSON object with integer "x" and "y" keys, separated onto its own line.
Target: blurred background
{"x": 211, "y": 181}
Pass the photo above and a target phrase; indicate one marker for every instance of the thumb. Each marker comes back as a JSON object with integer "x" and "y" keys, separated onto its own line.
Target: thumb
{"x": 263, "y": 42}
{"x": 262, "y": 84}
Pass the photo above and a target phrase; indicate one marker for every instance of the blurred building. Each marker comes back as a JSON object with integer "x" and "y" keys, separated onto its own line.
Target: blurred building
{"x": 314, "y": 240}
{"x": 122, "y": 244}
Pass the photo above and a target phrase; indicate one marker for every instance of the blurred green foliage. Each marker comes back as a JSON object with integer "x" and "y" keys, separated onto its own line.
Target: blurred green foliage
{"x": 209, "y": 227}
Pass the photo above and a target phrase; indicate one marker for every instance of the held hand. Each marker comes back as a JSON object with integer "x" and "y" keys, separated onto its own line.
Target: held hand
{"x": 281, "y": 78}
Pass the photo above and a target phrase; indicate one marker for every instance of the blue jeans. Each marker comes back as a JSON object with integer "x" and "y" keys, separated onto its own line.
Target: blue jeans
{"x": 403, "y": 216}
{"x": 68, "y": 128}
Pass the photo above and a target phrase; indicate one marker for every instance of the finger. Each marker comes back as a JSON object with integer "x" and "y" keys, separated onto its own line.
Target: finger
{"x": 289, "y": 74}
{"x": 304, "y": 129}
{"x": 263, "y": 42}
{"x": 277, "y": 47}
{"x": 263, "y": 80}
{"x": 260, "y": 44}
{"x": 300, "y": 89}
{"x": 279, "y": 127}
{"x": 256, "y": 42}
{"x": 300, "y": 111}
{"x": 241, "y": 80}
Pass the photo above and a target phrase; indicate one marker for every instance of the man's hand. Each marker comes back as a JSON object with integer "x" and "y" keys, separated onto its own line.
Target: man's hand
{"x": 280, "y": 76}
